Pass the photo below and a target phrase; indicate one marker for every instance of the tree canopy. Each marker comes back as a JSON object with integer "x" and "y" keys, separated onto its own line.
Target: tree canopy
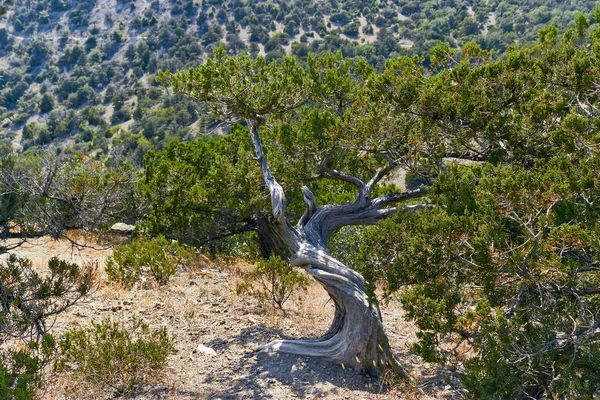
{"x": 502, "y": 258}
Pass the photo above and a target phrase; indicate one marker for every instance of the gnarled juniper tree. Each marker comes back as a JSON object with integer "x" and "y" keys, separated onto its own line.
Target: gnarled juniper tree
{"x": 268, "y": 95}
{"x": 504, "y": 261}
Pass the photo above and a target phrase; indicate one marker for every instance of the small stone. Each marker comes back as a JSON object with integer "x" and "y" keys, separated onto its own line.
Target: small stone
{"x": 206, "y": 350}
{"x": 122, "y": 227}
{"x": 447, "y": 387}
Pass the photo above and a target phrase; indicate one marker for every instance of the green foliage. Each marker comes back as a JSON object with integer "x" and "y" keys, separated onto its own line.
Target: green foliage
{"x": 46, "y": 103}
{"x": 156, "y": 258}
{"x": 21, "y": 370}
{"x": 29, "y": 301}
{"x": 190, "y": 186}
{"x": 112, "y": 355}
{"x": 254, "y": 87}
{"x": 273, "y": 280}
{"x": 505, "y": 259}
{"x": 3, "y": 6}
{"x": 202, "y": 190}
{"x": 29, "y": 298}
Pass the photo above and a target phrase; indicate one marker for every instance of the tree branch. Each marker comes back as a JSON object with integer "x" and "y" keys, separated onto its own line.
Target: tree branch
{"x": 588, "y": 290}
{"x": 338, "y": 175}
{"x": 277, "y": 194}
{"x": 398, "y": 197}
{"x": 311, "y": 206}
{"x": 328, "y": 219}
{"x": 589, "y": 268}
{"x": 381, "y": 172}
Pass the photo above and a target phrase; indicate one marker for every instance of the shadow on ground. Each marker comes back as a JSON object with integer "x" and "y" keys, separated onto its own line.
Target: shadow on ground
{"x": 262, "y": 375}
{"x": 149, "y": 392}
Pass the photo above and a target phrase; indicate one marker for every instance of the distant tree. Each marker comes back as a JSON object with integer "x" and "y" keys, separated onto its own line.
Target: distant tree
{"x": 3, "y": 5}
{"x": 59, "y": 5}
{"x": 38, "y": 49}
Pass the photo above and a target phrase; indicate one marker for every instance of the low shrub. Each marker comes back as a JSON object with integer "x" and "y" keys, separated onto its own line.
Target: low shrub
{"x": 29, "y": 300}
{"x": 21, "y": 370}
{"x": 112, "y": 355}
{"x": 273, "y": 280}
{"x": 157, "y": 258}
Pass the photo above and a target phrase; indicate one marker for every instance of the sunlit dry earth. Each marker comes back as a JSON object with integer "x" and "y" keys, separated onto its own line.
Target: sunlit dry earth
{"x": 200, "y": 306}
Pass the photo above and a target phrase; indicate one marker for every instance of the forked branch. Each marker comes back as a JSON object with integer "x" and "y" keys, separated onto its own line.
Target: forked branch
{"x": 333, "y": 173}
{"x": 380, "y": 174}
{"x": 311, "y": 206}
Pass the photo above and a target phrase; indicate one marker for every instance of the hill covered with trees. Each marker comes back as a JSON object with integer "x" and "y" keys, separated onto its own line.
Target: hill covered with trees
{"x": 80, "y": 73}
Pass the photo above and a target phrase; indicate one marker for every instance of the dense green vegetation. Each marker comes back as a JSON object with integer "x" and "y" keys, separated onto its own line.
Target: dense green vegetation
{"x": 114, "y": 356}
{"x": 155, "y": 258}
{"x": 77, "y": 74}
{"x": 30, "y": 301}
{"x": 503, "y": 257}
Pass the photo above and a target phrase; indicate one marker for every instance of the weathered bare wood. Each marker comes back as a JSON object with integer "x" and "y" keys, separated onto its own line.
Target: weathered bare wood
{"x": 311, "y": 206}
{"x": 356, "y": 337}
{"x": 360, "y": 185}
{"x": 277, "y": 194}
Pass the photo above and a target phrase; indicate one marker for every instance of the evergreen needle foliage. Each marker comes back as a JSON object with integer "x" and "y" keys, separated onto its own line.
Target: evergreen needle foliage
{"x": 273, "y": 280}
{"x": 156, "y": 258}
{"x": 21, "y": 371}
{"x": 30, "y": 298}
{"x": 29, "y": 301}
{"x": 113, "y": 355}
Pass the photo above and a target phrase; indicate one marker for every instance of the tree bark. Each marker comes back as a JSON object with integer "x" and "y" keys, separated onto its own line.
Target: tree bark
{"x": 356, "y": 337}
{"x": 268, "y": 240}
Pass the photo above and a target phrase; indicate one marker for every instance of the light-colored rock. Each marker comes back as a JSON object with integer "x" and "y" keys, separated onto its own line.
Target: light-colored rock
{"x": 206, "y": 350}
{"x": 122, "y": 227}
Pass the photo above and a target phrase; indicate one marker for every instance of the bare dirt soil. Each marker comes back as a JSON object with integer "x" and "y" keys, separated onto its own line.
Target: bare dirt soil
{"x": 200, "y": 307}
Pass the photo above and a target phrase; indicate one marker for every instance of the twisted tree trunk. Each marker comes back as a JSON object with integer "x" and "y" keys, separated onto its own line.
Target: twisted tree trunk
{"x": 356, "y": 337}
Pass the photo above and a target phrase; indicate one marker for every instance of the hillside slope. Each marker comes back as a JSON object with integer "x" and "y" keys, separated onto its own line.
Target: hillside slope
{"x": 80, "y": 73}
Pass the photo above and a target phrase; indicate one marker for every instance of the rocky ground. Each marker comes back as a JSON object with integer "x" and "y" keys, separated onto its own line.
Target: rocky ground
{"x": 200, "y": 307}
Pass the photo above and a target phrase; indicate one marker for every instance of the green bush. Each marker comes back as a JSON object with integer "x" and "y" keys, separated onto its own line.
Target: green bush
{"x": 157, "y": 258}
{"x": 29, "y": 300}
{"x": 273, "y": 280}
{"x": 21, "y": 370}
{"x": 112, "y": 355}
